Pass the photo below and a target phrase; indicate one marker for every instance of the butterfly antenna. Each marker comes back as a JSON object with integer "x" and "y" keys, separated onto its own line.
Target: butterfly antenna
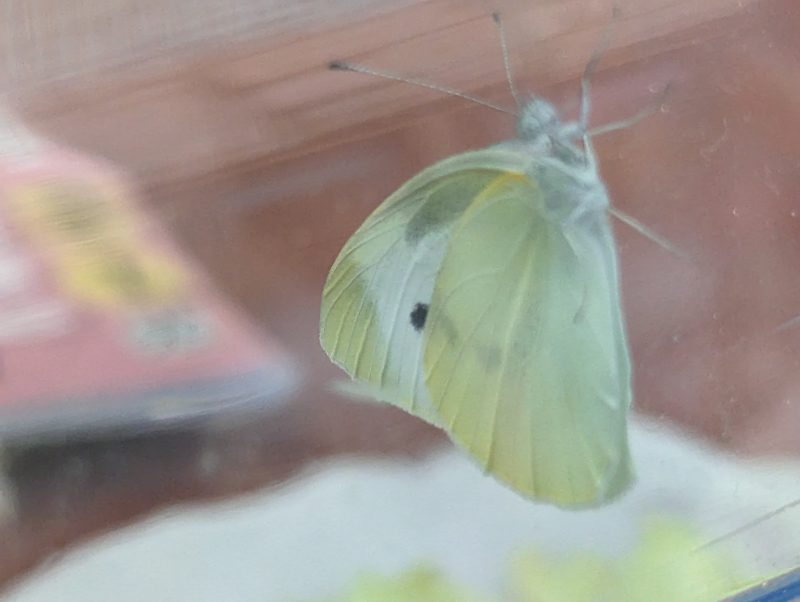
{"x": 344, "y": 66}
{"x": 648, "y": 233}
{"x": 586, "y": 89}
{"x": 498, "y": 20}
{"x": 591, "y": 67}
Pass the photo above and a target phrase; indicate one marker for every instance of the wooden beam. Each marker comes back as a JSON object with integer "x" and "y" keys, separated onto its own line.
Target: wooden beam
{"x": 223, "y": 91}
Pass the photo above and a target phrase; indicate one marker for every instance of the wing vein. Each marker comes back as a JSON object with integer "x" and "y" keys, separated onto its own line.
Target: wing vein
{"x": 522, "y": 289}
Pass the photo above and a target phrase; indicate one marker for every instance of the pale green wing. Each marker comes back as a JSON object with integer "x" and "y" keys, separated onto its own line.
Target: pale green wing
{"x": 525, "y": 355}
{"x": 386, "y": 272}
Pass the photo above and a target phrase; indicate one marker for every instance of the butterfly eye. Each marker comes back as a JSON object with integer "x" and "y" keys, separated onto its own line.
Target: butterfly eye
{"x": 538, "y": 119}
{"x": 418, "y": 316}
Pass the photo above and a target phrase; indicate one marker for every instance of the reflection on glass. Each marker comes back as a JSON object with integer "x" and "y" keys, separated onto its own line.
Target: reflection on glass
{"x": 143, "y": 328}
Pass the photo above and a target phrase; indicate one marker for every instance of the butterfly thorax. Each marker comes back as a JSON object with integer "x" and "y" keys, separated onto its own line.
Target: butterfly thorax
{"x": 571, "y": 186}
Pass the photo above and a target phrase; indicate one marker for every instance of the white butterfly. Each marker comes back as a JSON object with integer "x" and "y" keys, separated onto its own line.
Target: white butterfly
{"x": 483, "y": 297}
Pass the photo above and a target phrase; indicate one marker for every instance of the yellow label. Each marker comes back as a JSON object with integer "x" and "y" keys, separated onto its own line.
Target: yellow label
{"x": 71, "y": 213}
{"x": 97, "y": 245}
{"x": 121, "y": 277}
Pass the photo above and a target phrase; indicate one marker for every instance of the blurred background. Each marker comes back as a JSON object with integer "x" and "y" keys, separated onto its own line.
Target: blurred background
{"x": 240, "y": 165}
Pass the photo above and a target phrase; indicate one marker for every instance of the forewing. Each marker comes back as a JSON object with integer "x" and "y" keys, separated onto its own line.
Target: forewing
{"x": 525, "y": 357}
{"x": 386, "y": 272}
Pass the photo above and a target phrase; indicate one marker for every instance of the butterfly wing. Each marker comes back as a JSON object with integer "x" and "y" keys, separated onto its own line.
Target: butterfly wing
{"x": 386, "y": 272}
{"x": 522, "y": 355}
{"x": 525, "y": 357}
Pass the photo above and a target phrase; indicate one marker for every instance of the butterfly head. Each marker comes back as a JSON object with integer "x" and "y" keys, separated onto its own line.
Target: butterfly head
{"x": 539, "y": 121}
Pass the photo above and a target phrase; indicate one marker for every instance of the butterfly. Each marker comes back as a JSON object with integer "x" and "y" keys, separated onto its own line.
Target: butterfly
{"x": 483, "y": 297}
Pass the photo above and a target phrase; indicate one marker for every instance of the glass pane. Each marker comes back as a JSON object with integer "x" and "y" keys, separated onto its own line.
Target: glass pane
{"x": 176, "y": 181}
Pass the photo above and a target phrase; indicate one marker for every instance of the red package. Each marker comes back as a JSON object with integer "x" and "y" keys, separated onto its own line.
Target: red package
{"x": 104, "y": 323}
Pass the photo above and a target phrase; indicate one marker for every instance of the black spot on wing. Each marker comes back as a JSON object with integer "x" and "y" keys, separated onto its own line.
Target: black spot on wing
{"x": 418, "y": 316}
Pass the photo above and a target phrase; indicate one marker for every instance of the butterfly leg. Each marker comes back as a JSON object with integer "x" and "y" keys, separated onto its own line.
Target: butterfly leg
{"x": 590, "y": 204}
{"x": 633, "y": 119}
